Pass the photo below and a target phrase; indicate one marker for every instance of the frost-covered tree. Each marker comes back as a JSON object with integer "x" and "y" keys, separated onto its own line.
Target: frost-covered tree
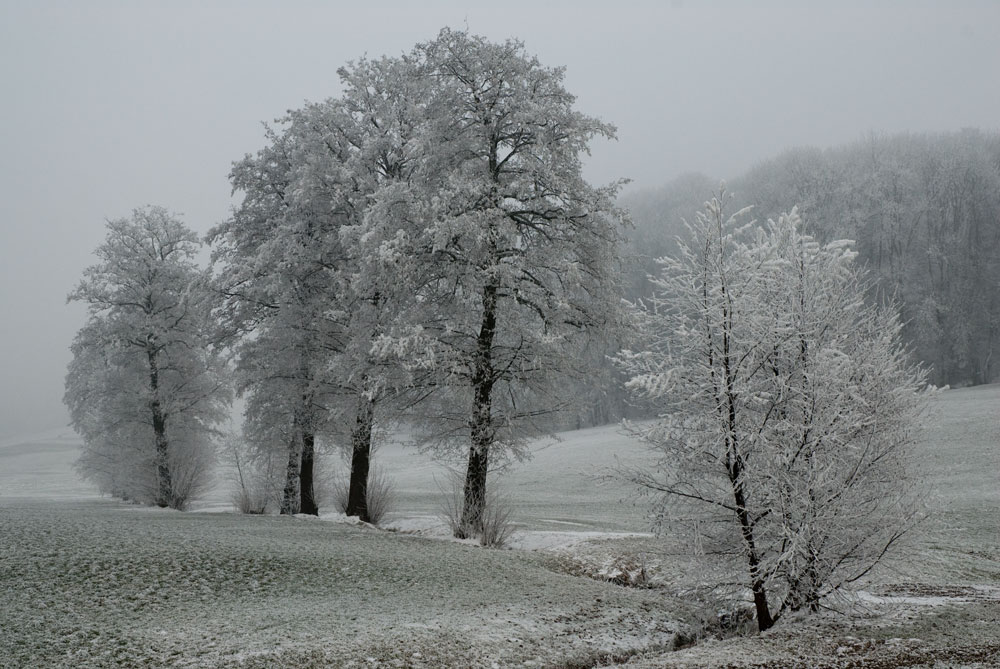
{"x": 275, "y": 254}
{"x": 145, "y": 388}
{"x": 297, "y": 281}
{"x": 510, "y": 254}
{"x": 787, "y": 404}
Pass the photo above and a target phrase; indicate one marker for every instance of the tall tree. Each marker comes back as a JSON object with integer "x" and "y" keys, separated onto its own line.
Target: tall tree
{"x": 510, "y": 253}
{"x": 279, "y": 305}
{"x": 145, "y": 387}
{"x": 374, "y": 124}
{"x": 292, "y": 264}
{"x": 788, "y": 408}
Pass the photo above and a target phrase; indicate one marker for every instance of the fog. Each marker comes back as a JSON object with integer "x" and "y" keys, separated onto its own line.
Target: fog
{"x": 112, "y": 105}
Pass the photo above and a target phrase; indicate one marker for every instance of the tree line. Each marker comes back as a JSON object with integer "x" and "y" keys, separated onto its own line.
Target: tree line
{"x": 424, "y": 250}
{"x": 425, "y": 239}
{"x": 923, "y": 209}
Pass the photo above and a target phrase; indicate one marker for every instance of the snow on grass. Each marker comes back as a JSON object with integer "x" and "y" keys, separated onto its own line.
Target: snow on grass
{"x": 562, "y": 486}
{"x": 85, "y": 582}
{"x": 937, "y": 602}
{"x": 42, "y": 466}
{"x": 100, "y": 584}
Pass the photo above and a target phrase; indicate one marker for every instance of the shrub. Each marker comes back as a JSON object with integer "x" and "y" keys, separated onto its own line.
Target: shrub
{"x": 629, "y": 571}
{"x": 497, "y": 515}
{"x": 192, "y": 463}
{"x": 380, "y": 494}
{"x": 497, "y": 525}
{"x": 255, "y": 478}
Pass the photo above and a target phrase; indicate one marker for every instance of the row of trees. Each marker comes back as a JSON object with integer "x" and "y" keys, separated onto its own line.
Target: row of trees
{"x": 427, "y": 238}
{"x": 925, "y": 211}
{"x": 425, "y": 247}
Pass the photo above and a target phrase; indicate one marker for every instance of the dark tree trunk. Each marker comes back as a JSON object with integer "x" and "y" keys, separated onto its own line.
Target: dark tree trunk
{"x": 164, "y": 485}
{"x": 307, "y": 499}
{"x": 474, "y": 493}
{"x": 481, "y": 423}
{"x": 290, "y": 498}
{"x": 764, "y": 619}
{"x": 361, "y": 447}
{"x": 734, "y": 467}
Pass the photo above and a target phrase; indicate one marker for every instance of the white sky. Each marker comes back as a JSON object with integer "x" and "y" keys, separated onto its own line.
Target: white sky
{"x": 110, "y": 105}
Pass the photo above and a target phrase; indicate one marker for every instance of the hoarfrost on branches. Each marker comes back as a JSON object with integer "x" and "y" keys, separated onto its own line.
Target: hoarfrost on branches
{"x": 787, "y": 408}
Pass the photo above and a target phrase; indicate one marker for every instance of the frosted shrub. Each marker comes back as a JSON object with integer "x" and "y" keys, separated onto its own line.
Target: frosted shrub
{"x": 255, "y": 478}
{"x": 496, "y": 527}
{"x": 192, "y": 462}
{"x": 380, "y": 494}
{"x": 629, "y": 571}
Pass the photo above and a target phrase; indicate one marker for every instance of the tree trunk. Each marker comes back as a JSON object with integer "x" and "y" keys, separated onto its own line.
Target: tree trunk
{"x": 361, "y": 446}
{"x": 735, "y": 463}
{"x": 290, "y": 498}
{"x": 307, "y": 499}
{"x": 164, "y": 485}
{"x": 474, "y": 493}
{"x": 474, "y": 499}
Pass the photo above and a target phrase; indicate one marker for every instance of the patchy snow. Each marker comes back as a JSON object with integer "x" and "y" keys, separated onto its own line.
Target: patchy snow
{"x": 521, "y": 539}
{"x": 869, "y": 598}
{"x": 535, "y": 540}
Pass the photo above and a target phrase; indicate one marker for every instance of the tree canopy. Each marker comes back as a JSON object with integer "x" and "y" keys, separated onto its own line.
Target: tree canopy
{"x": 145, "y": 387}
{"x": 787, "y": 408}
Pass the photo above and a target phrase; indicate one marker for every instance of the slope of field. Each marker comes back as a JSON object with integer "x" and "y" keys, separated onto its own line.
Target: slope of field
{"x": 87, "y": 582}
{"x": 95, "y": 584}
{"x": 937, "y": 604}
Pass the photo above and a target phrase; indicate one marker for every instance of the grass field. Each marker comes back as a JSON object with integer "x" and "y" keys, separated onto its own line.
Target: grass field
{"x": 87, "y": 582}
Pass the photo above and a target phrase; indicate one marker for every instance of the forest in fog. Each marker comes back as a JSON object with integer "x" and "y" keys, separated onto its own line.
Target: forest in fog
{"x": 923, "y": 209}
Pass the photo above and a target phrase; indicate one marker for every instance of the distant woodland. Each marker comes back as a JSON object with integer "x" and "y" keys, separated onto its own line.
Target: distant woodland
{"x": 923, "y": 209}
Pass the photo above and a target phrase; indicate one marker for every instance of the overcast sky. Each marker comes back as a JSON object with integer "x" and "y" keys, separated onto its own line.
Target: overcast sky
{"x": 111, "y": 105}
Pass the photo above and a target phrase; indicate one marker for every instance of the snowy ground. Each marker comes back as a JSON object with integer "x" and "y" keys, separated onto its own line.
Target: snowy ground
{"x": 86, "y": 582}
{"x": 95, "y": 584}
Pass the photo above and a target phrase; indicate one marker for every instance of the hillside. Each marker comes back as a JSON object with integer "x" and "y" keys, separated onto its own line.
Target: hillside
{"x": 88, "y": 582}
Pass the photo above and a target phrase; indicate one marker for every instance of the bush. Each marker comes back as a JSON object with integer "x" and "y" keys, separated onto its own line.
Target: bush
{"x": 497, "y": 525}
{"x": 497, "y": 513}
{"x": 256, "y": 487}
{"x": 630, "y": 571}
{"x": 380, "y": 497}
{"x": 192, "y": 463}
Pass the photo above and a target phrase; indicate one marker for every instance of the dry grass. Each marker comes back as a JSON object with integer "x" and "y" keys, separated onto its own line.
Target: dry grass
{"x": 380, "y": 494}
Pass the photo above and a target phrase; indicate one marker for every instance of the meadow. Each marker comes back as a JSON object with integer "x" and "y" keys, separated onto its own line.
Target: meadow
{"x": 89, "y": 582}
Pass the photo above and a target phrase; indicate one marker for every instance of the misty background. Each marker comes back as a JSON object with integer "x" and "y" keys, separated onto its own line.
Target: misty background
{"x": 111, "y": 105}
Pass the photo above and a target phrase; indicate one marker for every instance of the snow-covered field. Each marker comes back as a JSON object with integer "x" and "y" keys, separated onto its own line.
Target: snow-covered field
{"x": 87, "y": 582}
